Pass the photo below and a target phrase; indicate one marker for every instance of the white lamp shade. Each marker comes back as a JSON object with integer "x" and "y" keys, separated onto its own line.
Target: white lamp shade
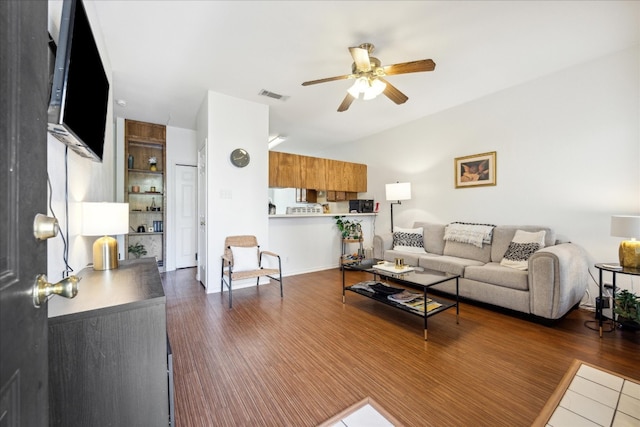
{"x": 105, "y": 219}
{"x": 399, "y": 191}
{"x": 625, "y": 226}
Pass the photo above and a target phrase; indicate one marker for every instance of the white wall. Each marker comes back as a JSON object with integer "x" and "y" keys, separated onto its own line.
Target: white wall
{"x": 237, "y": 198}
{"x": 568, "y": 156}
{"x": 87, "y": 181}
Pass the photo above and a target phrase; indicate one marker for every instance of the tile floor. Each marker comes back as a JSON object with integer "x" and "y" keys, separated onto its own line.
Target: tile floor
{"x": 598, "y": 398}
{"x": 367, "y": 416}
{"x": 366, "y": 413}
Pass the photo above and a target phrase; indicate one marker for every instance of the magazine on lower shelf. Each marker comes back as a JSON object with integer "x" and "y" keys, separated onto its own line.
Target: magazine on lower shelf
{"x": 414, "y": 301}
{"x": 431, "y": 305}
{"x": 405, "y": 296}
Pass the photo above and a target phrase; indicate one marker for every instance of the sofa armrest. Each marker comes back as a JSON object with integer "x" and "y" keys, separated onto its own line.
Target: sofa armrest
{"x": 381, "y": 243}
{"x": 558, "y": 279}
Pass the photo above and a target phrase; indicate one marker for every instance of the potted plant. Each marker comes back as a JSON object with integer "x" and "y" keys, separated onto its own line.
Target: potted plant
{"x": 152, "y": 163}
{"x": 627, "y": 307}
{"x": 137, "y": 250}
{"x": 350, "y": 229}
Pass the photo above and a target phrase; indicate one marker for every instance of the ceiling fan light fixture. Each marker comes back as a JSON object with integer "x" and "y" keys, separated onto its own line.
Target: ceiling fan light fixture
{"x": 375, "y": 88}
{"x": 359, "y": 86}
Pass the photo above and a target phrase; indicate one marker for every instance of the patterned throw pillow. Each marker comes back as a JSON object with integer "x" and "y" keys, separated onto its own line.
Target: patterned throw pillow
{"x": 408, "y": 240}
{"x": 523, "y": 245}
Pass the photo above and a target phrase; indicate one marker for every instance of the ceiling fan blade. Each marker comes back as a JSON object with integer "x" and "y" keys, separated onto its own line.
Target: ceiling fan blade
{"x": 328, "y": 79}
{"x": 409, "y": 67}
{"x": 393, "y": 93}
{"x": 361, "y": 58}
{"x": 346, "y": 103}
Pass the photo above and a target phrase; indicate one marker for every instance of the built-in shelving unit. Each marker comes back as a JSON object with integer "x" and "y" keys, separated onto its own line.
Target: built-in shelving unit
{"x": 145, "y": 187}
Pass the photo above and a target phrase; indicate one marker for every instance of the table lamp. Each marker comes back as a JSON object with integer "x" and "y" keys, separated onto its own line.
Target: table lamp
{"x": 105, "y": 219}
{"x": 627, "y": 226}
{"x": 398, "y": 191}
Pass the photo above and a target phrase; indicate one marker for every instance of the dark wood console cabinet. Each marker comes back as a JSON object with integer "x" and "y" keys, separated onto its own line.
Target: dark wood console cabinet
{"x": 108, "y": 350}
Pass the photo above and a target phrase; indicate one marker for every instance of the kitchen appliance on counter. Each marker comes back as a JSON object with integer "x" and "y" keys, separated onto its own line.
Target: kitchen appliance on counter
{"x": 361, "y": 206}
{"x": 304, "y": 210}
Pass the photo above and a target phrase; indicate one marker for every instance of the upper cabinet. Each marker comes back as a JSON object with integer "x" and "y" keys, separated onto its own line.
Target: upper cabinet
{"x": 145, "y": 187}
{"x": 294, "y": 171}
{"x": 313, "y": 172}
{"x": 284, "y": 170}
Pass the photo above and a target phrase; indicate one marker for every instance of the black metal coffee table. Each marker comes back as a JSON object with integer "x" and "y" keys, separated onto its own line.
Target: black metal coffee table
{"x": 416, "y": 278}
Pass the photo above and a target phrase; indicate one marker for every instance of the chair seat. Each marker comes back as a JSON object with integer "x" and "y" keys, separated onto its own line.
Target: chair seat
{"x": 239, "y": 275}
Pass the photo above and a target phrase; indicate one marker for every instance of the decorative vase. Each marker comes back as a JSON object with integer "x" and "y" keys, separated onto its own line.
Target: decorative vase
{"x": 130, "y": 161}
{"x": 153, "y": 167}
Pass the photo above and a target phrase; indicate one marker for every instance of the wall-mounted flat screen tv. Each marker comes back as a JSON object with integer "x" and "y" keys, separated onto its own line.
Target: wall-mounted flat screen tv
{"x": 77, "y": 110}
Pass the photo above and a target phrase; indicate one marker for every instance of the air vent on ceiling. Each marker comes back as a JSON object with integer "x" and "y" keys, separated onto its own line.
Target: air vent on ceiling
{"x": 273, "y": 95}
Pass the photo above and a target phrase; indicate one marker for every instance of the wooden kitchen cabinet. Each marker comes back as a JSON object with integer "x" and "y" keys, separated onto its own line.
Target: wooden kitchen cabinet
{"x": 341, "y": 196}
{"x": 109, "y": 363}
{"x": 313, "y": 172}
{"x": 284, "y": 170}
{"x": 346, "y": 176}
{"x": 294, "y": 171}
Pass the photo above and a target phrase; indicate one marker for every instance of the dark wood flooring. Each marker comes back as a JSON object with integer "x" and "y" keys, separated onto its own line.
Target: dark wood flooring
{"x": 299, "y": 360}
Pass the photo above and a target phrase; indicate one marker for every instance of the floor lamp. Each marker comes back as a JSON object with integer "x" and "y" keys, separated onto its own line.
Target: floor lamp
{"x": 398, "y": 191}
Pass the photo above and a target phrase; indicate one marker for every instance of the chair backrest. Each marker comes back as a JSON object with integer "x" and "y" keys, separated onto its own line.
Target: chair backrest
{"x": 241, "y": 241}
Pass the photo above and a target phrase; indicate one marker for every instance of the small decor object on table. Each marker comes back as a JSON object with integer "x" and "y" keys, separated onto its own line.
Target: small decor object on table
{"x": 153, "y": 164}
{"x": 475, "y": 170}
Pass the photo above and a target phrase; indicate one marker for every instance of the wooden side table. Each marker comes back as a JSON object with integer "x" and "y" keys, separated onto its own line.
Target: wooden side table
{"x": 615, "y": 269}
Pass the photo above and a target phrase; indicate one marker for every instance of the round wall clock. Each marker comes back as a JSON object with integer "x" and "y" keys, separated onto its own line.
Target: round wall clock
{"x": 239, "y": 157}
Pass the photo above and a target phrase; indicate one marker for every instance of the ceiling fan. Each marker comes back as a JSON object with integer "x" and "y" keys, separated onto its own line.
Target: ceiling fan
{"x": 369, "y": 76}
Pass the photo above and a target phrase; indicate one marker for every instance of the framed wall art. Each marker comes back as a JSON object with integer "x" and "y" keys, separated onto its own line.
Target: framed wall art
{"x": 476, "y": 170}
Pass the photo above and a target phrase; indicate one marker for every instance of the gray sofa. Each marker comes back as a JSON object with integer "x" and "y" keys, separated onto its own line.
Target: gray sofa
{"x": 555, "y": 281}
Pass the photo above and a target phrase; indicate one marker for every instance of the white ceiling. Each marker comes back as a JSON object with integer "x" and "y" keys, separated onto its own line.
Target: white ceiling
{"x": 166, "y": 54}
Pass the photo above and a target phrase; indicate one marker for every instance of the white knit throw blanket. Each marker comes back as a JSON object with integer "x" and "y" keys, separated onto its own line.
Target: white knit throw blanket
{"x": 475, "y": 234}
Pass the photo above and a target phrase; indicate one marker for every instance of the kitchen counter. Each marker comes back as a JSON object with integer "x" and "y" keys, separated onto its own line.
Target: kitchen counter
{"x": 329, "y": 215}
{"x": 312, "y": 242}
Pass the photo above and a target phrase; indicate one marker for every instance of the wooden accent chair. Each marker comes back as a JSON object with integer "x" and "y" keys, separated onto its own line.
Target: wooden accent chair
{"x": 242, "y": 259}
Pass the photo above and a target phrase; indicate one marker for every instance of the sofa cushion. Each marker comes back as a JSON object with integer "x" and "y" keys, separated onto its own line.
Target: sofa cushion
{"x": 523, "y": 245}
{"x": 503, "y": 235}
{"x": 496, "y": 274}
{"x": 408, "y": 239}
{"x": 447, "y": 264}
{"x": 465, "y": 250}
{"x": 433, "y": 236}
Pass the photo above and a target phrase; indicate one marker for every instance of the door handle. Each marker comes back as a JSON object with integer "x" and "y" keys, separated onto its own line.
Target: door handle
{"x": 45, "y": 227}
{"x": 67, "y": 288}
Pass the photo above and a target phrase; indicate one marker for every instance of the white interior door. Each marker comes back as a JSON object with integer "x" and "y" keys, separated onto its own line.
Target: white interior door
{"x": 202, "y": 215}
{"x": 186, "y": 215}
